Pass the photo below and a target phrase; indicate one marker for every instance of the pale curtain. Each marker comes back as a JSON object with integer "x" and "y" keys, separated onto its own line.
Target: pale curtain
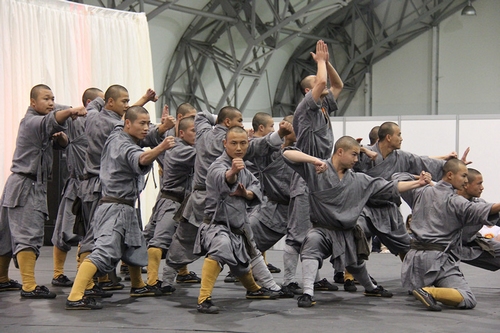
{"x": 69, "y": 47}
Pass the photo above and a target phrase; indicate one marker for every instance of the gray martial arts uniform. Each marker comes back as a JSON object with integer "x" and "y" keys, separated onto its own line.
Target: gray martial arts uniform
{"x": 269, "y": 222}
{"x": 24, "y": 200}
{"x": 439, "y": 215}
{"x": 209, "y": 146}
{"x": 63, "y": 236}
{"x": 384, "y": 219}
{"x": 176, "y": 184}
{"x": 221, "y": 236}
{"x": 314, "y": 132}
{"x": 117, "y": 227}
{"x": 477, "y": 250}
{"x": 335, "y": 205}
{"x": 97, "y": 128}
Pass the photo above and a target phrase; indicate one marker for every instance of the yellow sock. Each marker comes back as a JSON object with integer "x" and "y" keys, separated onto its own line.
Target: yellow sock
{"x": 4, "y": 268}
{"x": 136, "y": 277}
{"x": 264, "y": 256}
{"x": 59, "y": 260}
{"x": 81, "y": 258}
{"x": 183, "y": 271}
{"x": 154, "y": 258}
{"x": 85, "y": 273}
{"x": 26, "y": 260}
{"x": 447, "y": 296}
{"x": 348, "y": 276}
{"x": 209, "y": 273}
{"x": 104, "y": 278}
{"x": 248, "y": 282}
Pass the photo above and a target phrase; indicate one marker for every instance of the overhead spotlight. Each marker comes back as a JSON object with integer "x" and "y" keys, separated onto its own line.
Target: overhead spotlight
{"x": 469, "y": 10}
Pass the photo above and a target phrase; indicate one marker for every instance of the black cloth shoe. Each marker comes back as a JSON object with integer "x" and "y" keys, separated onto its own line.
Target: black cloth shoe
{"x": 188, "y": 278}
{"x": 62, "y": 281}
{"x": 97, "y": 292}
{"x": 292, "y": 287}
{"x": 166, "y": 290}
{"x": 378, "y": 292}
{"x": 146, "y": 291}
{"x": 286, "y": 293}
{"x": 38, "y": 292}
{"x": 324, "y": 285}
{"x": 231, "y": 278}
{"x": 350, "y": 286}
{"x": 273, "y": 269}
{"x": 110, "y": 285}
{"x": 207, "y": 306}
{"x": 262, "y": 293}
{"x": 426, "y": 299}
{"x": 305, "y": 301}
{"x": 83, "y": 304}
{"x": 338, "y": 277}
{"x": 11, "y": 285}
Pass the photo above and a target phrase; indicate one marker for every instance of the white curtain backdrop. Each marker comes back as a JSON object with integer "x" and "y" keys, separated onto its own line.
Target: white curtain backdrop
{"x": 70, "y": 47}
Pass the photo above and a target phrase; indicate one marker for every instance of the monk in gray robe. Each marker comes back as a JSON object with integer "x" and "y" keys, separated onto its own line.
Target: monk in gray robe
{"x": 178, "y": 167}
{"x": 221, "y": 236}
{"x": 24, "y": 200}
{"x": 314, "y": 132}
{"x": 63, "y": 237}
{"x": 210, "y": 133}
{"x": 118, "y": 231}
{"x": 98, "y": 127}
{"x": 430, "y": 269}
{"x": 337, "y": 196}
{"x": 477, "y": 250}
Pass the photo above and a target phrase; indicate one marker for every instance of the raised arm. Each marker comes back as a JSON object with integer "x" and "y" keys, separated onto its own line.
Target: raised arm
{"x": 300, "y": 157}
{"x": 424, "y": 179}
{"x": 336, "y": 84}
{"x": 150, "y": 95}
{"x": 321, "y": 58}
{"x": 149, "y": 156}
{"x": 62, "y": 115}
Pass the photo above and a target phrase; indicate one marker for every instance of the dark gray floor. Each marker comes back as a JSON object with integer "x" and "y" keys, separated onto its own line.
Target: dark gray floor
{"x": 335, "y": 311}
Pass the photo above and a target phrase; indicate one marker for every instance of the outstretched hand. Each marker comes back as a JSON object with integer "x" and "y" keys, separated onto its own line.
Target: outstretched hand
{"x": 240, "y": 191}
{"x": 464, "y": 156}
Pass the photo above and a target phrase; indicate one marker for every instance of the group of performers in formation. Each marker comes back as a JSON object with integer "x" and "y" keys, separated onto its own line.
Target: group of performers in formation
{"x": 228, "y": 195}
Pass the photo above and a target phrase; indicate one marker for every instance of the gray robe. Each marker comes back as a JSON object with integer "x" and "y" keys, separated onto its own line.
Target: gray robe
{"x": 220, "y": 237}
{"x": 269, "y": 222}
{"x": 314, "y": 132}
{"x": 176, "y": 182}
{"x": 63, "y": 236}
{"x": 439, "y": 215}
{"x": 24, "y": 200}
{"x": 335, "y": 205}
{"x": 117, "y": 228}
{"x": 385, "y": 220}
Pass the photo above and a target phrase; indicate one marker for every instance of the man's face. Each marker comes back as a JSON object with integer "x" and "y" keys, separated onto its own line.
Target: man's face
{"x": 44, "y": 102}
{"x": 119, "y": 105}
{"x": 237, "y": 120}
{"x": 475, "y": 188}
{"x": 267, "y": 128}
{"x": 395, "y": 139}
{"x": 138, "y": 129}
{"x": 189, "y": 135}
{"x": 349, "y": 157}
{"x": 236, "y": 144}
{"x": 458, "y": 179}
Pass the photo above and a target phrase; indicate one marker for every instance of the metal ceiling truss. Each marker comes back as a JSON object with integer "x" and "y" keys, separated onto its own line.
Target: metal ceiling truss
{"x": 210, "y": 59}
